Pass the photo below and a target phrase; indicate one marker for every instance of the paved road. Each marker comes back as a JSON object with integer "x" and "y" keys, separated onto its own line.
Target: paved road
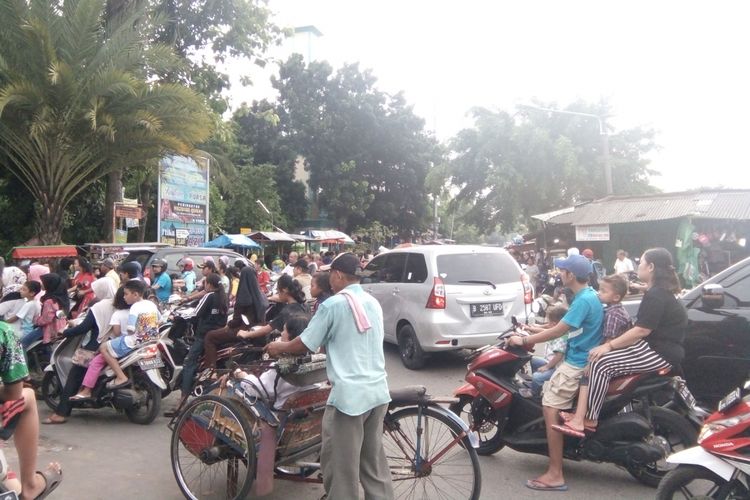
{"x": 106, "y": 457}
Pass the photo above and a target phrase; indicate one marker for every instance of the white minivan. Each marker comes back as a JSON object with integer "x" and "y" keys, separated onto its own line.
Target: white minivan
{"x": 446, "y": 297}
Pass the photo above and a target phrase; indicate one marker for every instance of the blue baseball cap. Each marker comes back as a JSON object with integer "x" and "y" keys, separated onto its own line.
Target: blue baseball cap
{"x": 579, "y": 265}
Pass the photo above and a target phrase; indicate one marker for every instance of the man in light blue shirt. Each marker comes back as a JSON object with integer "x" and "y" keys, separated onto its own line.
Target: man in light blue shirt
{"x": 350, "y": 327}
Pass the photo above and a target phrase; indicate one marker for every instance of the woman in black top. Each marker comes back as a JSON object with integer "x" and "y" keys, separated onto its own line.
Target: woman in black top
{"x": 292, "y": 299}
{"x": 655, "y": 342}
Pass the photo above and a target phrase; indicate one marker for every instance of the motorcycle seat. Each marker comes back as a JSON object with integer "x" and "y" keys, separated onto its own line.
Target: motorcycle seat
{"x": 408, "y": 395}
{"x": 619, "y": 385}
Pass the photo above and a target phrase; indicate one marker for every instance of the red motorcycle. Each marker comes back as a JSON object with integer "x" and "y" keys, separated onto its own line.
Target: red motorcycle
{"x": 633, "y": 432}
{"x": 720, "y": 466}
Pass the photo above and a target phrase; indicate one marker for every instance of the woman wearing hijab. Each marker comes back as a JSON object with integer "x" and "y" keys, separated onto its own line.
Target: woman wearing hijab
{"x": 48, "y": 324}
{"x": 250, "y": 303}
{"x": 97, "y": 321}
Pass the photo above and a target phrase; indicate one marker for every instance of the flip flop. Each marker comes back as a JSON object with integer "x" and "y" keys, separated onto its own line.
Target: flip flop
{"x": 569, "y": 431}
{"x": 52, "y": 480}
{"x": 112, "y": 386}
{"x": 535, "y": 484}
{"x": 49, "y": 421}
{"x": 78, "y": 397}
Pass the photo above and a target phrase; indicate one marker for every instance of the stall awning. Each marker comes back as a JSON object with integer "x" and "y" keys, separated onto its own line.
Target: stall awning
{"x": 232, "y": 240}
{"x": 42, "y": 252}
{"x": 271, "y": 236}
{"x": 329, "y": 236}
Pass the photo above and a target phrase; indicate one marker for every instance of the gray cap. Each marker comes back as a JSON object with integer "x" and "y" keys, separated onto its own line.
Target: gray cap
{"x": 108, "y": 262}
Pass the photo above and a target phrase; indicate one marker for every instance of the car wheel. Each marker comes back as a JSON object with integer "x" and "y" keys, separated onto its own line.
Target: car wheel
{"x": 412, "y": 355}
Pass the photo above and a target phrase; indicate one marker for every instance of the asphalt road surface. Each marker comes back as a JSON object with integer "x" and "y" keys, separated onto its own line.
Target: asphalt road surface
{"x": 106, "y": 457}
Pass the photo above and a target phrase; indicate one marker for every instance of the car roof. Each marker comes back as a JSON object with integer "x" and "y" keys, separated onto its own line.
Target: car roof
{"x": 447, "y": 249}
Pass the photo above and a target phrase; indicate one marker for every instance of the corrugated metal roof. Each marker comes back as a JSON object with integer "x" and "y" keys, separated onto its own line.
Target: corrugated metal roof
{"x": 733, "y": 205}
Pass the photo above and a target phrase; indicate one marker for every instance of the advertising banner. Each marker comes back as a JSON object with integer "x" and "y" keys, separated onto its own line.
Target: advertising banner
{"x": 183, "y": 201}
{"x": 592, "y": 233}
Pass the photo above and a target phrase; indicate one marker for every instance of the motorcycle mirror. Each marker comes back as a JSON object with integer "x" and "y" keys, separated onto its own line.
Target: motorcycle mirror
{"x": 514, "y": 321}
{"x": 536, "y": 307}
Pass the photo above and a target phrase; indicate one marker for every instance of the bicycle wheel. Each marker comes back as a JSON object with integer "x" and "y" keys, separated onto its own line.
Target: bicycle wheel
{"x": 213, "y": 452}
{"x": 448, "y": 467}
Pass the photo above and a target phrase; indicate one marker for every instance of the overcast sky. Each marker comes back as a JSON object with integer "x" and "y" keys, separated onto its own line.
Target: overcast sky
{"x": 680, "y": 67}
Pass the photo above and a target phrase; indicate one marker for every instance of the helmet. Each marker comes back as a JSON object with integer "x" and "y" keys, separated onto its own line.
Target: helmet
{"x": 159, "y": 263}
{"x": 186, "y": 263}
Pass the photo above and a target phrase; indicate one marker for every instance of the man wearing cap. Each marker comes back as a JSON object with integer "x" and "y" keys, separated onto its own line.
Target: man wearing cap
{"x": 583, "y": 324}
{"x": 350, "y": 327}
{"x": 107, "y": 269}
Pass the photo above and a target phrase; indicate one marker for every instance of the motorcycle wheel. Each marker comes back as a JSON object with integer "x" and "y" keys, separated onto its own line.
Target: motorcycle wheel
{"x": 490, "y": 435}
{"x": 693, "y": 481}
{"x": 676, "y": 433}
{"x": 51, "y": 390}
{"x": 145, "y": 413}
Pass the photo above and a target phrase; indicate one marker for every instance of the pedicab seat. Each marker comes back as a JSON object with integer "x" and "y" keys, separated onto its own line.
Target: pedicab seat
{"x": 409, "y": 395}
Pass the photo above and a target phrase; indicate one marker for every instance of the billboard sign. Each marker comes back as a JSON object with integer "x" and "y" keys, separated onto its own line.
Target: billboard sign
{"x": 183, "y": 201}
{"x": 592, "y": 233}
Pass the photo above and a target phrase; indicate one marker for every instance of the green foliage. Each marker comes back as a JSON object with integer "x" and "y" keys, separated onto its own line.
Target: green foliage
{"x": 226, "y": 28}
{"x": 509, "y": 167}
{"x": 366, "y": 151}
{"x": 76, "y": 100}
{"x": 253, "y": 183}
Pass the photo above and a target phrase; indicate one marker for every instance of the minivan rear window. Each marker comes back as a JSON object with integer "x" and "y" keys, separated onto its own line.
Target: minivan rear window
{"x": 494, "y": 267}
{"x": 140, "y": 257}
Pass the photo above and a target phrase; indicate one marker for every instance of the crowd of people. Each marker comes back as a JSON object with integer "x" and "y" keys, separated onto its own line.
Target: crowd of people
{"x": 315, "y": 303}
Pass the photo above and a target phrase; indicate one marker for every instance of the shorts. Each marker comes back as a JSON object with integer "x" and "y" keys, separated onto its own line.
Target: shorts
{"x": 10, "y": 413}
{"x": 118, "y": 348}
{"x": 561, "y": 390}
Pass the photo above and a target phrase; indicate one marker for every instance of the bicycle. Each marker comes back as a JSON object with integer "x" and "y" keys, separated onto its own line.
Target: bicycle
{"x": 226, "y": 448}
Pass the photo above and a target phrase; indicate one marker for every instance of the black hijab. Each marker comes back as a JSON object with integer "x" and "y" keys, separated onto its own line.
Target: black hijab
{"x": 55, "y": 289}
{"x": 249, "y": 294}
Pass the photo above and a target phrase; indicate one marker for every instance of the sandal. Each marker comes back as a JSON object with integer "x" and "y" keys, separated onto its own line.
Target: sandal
{"x": 113, "y": 386}
{"x": 52, "y": 480}
{"x": 535, "y": 484}
{"x": 569, "y": 431}
{"x": 80, "y": 397}
{"x": 50, "y": 421}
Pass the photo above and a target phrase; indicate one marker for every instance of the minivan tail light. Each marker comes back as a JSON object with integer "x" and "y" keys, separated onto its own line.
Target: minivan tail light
{"x": 437, "y": 295}
{"x": 528, "y": 292}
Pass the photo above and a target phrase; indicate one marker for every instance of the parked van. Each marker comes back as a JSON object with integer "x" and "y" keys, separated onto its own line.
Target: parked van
{"x": 446, "y": 297}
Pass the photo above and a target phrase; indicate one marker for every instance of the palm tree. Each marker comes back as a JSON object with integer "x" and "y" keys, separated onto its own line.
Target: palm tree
{"x": 79, "y": 98}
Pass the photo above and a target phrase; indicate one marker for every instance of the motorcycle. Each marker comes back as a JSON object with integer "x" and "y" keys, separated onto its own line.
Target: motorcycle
{"x": 633, "y": 432}
{"x": 175, "y": 339}
{"x": 140, "y": 401}
{"x": 719, "y": 467}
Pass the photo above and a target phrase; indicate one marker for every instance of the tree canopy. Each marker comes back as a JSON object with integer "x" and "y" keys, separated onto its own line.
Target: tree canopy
{"x": 76, "y": 101}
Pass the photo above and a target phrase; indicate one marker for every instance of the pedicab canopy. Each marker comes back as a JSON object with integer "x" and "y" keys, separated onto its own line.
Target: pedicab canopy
{"x": 44, "y": 252}
{"x": 232, "y": 240}
{"x": 329, "y": 236}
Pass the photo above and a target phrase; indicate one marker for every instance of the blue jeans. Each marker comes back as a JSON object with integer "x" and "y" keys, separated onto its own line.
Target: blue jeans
{"x": 539, "y": 378}
{"x": 190, "y": 365}
{"x": 31, "y": 337}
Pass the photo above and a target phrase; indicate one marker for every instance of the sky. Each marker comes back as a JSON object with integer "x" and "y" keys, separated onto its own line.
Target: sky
{"x": 678, "y": 67}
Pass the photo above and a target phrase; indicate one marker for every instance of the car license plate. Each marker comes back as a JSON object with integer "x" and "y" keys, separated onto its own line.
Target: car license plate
{"x": 730, "y": 400}
{"x": 685, "y": 393}
{"x": 151, "y": 363}
{"x": 487, "y": 309}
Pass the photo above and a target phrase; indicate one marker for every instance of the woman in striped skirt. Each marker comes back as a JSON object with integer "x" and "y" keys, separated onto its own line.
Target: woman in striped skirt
{"x": 655, "y": 342}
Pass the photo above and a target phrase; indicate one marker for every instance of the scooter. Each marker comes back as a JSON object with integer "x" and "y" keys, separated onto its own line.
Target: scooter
{"x": 719, "y": 467}
{"x": 141, "y": 400}
{"x": 632, "y": 432}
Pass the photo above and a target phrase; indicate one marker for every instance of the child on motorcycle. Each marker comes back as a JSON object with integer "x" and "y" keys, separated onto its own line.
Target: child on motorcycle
{"x": 544, "y": 368}
{"x": 612, "y": 289}
{"x": 270, "y": 385}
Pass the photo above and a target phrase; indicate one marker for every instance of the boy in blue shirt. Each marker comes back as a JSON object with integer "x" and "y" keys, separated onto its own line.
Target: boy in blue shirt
{"x": 162, "y": 282}
{"x": 583, "y": 324}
